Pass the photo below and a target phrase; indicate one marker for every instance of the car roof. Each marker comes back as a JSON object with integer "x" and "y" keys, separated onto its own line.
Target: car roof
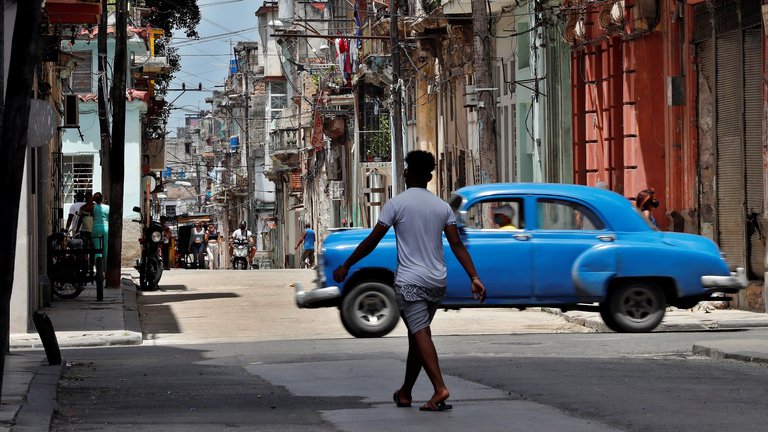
{"x": 613, "y": 206}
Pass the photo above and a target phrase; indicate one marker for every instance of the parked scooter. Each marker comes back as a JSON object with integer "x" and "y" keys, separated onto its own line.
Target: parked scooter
{"x": 240, "y": 249}
{"x": 150, "y": 265}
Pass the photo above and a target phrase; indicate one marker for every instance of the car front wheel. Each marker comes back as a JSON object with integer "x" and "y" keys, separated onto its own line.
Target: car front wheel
{"x": 634, "y": 307}
{"x": 370, "y": 310}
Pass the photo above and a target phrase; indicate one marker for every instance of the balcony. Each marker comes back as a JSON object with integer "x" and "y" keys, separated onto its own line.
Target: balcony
{"x": 73, "y": 11}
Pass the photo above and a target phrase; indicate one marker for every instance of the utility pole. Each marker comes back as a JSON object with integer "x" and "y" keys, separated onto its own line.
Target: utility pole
{"x": 486, "y": 106}
{"x": 198, "y": 187}
{"x": 398, "y": 163}
{"x": 102, "y": 101}
{"x": 248, "y": 159}
{"x": 117, "y": 151}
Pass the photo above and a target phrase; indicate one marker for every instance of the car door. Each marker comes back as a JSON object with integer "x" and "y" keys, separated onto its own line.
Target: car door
{"x": 564, "y": 229}
{"x": 502, "y": 255}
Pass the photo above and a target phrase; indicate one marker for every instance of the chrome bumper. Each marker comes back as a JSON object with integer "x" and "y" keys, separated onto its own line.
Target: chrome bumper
{"x": 737, "y": 279}
{"x": 306, "y": 299}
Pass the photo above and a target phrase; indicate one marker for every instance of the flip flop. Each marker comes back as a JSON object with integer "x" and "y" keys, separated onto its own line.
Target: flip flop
{"x": 440, "y": 406}
{"x": 396, "y": 398}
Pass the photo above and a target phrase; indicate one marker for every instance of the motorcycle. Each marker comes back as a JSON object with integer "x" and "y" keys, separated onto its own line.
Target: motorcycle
{"x": 240, "y": 249}
{"x": 71, "y": 266}
{"x": 150, "y": 265}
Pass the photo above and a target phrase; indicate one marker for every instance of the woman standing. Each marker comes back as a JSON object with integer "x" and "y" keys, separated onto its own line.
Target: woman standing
{"x": 197, "y": 245}
{"x": 100, "y": 227}
{"x": 214, "y": 246}
{"x": 646, "y": 201}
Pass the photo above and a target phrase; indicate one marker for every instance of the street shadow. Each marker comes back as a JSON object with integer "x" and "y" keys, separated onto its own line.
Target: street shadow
{"x": 173, "y": 298}
{"x": 180, "y": 388}
{"x": 162, "y": 287}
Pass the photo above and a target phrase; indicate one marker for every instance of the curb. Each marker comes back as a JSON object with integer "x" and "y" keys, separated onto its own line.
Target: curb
{"x": 594, "y": 324}
{"x": 717, "y": 354}
{"x": 40, "y": 403}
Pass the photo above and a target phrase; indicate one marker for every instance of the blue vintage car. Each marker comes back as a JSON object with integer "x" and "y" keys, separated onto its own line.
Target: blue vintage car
{"x": 566, "y": 246}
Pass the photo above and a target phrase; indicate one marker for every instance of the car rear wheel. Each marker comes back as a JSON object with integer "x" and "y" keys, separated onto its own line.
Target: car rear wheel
{"x": 634, "y": 307}
{"x": 370, "y": 310}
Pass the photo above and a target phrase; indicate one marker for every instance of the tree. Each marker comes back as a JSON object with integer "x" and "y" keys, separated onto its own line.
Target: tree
{"x": 13, "y": 145}
{"x": 170, "y": 15}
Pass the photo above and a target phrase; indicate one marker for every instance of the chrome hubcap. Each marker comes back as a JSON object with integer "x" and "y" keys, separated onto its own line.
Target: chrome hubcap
{"x": 372, "y": 309}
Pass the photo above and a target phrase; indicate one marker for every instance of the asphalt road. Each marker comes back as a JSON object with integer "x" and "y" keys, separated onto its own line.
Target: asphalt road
{"x": 228, "y": 350}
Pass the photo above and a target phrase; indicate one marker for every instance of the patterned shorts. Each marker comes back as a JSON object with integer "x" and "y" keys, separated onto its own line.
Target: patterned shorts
{"x": 418, "y": 305}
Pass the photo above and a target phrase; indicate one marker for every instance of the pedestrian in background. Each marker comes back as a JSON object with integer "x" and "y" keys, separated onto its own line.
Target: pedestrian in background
{"x": 419, "y": 218}
{"x": 308, "y": 239}
{"x": 197, "y": 245}
{"x": 646, "y": 201}
{"x": 214, "y": 246}
{"x": 72, "y": 218}
{"x": 100, "y": 227}
{"x": 85, "y": 226}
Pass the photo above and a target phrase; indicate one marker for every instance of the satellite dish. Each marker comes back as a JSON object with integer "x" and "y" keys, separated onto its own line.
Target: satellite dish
{"x": 148, "y": 183}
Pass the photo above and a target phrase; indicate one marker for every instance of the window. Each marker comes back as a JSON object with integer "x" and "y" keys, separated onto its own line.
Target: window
{"x": 82, "y": 75}
{"x": 77, "y": 174}
{"x": 566, "y": 215}
{"x": 523, "y": 47}
{"x": 277, "y": 99}
{"x": 499, "y": 214}
{"x": 170, "y": 211}
{"x": 375, "y": 135}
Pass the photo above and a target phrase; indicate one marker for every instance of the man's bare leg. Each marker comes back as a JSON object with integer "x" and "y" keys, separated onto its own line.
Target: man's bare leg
{"x": 413, "y": 366}
{"x": 422, "y": 353}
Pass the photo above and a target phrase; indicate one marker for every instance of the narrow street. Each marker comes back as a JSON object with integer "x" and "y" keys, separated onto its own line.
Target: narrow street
{"x": 229, "y": 349}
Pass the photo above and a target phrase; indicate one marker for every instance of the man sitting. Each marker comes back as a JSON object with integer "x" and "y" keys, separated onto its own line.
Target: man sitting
{"x": 243, "y": 234}
{"x": 503, "y": 217}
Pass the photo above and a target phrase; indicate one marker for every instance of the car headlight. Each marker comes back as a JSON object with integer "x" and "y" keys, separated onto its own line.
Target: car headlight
{"x": 157, "y": 236}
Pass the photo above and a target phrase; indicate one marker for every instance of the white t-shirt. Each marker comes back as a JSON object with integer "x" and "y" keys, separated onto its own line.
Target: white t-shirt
{"x": 240, "y": 235}
{"x": 74, "y": 210}
{"x": 419, "y": 218}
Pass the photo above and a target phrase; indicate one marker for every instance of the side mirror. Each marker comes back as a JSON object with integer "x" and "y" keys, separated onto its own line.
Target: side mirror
{"x": 137, "y": 209}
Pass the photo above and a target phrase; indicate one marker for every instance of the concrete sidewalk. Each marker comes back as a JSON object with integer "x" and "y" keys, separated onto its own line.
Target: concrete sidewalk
{"x": 30, "y": 385}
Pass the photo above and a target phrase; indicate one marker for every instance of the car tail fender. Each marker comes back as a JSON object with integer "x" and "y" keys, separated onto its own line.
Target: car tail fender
{"x": 593, "y": 269}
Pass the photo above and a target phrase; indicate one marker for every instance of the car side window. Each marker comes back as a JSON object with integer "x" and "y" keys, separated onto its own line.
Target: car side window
{"x": 556, "y": 214}
{"x": 496, "y": 214}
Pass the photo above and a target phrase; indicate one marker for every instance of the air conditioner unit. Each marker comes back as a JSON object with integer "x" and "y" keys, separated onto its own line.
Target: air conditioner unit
{"x": 71, "y": 111}
{"x": 470, "y": 96}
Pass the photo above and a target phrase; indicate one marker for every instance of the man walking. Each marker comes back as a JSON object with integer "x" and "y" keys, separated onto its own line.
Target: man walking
{"x": 419, "y": 218}
{"x": 309, "y": 246}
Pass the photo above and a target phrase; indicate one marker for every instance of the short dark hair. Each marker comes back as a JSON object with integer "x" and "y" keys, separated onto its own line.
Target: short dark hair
{"x": 79, "y": 196}
{"x": 420, "y": 163}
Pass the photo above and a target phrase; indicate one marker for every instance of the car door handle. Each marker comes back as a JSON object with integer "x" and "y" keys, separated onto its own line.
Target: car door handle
{"x": 522, "y": 237}
{"x": 606, "y": 238}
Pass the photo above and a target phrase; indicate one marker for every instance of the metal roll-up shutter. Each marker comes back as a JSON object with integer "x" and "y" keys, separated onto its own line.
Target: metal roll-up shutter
{"x": 753, "y": 145}
{"x": 730, "y": 148}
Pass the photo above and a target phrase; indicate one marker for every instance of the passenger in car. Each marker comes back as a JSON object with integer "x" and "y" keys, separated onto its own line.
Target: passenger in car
{"x": 503, "y": 217}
